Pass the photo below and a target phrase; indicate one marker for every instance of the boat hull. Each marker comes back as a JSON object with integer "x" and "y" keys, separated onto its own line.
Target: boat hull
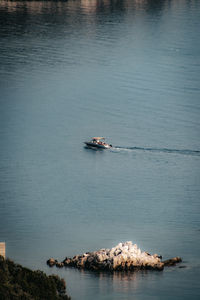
{"x": 93, "y": 145}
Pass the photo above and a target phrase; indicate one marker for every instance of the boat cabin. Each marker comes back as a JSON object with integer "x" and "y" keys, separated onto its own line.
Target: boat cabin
{"x": 98, "y": 140}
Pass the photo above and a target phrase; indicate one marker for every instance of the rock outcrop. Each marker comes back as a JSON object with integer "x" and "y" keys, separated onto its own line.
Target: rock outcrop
{"x": 123, "y": 257}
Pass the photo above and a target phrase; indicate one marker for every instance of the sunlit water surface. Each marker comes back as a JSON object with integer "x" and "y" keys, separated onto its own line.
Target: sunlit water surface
{"x": 126, "y": 70}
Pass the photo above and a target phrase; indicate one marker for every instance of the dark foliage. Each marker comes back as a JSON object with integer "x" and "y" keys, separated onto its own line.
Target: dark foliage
{"x": 17, "y": 282}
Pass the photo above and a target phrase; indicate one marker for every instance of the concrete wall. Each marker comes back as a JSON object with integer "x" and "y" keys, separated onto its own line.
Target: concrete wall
{"x": 3, "y": 249}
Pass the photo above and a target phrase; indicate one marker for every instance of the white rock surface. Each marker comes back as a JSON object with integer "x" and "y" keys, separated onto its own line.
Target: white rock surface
{"x": 124, "y": 256}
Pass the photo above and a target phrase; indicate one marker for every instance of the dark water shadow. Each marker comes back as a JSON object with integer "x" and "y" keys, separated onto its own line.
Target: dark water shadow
{"x": 94, "y": 149}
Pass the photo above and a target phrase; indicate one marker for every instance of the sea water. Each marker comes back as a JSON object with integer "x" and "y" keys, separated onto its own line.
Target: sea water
{"x": 126, "y": 70}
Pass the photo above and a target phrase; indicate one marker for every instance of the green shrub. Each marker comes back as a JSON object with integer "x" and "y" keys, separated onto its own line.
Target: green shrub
{"x": 17, "y": 282}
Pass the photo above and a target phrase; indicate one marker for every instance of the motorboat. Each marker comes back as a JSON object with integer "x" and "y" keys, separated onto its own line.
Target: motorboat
{"x": 98, "y": 142}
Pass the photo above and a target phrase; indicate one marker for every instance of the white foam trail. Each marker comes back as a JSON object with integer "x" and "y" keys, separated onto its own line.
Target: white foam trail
{"x": 161, "y": 150}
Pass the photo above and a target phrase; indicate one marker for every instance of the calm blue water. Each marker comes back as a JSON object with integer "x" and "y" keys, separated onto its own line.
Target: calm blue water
{"x": 126, "y": 70}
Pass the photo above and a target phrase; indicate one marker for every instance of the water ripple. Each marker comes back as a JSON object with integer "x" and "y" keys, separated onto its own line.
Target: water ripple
{"x": 163, "y": 150}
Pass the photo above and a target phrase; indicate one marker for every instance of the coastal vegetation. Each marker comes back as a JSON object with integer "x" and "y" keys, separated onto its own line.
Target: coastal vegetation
{"x": 17, "y": 282}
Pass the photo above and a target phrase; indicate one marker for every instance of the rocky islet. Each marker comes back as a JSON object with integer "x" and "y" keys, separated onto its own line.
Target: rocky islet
{"x": 123, "y": 257}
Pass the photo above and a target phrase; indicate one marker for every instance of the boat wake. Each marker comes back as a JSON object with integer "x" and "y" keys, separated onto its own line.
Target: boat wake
{"x": 160, "y": 150}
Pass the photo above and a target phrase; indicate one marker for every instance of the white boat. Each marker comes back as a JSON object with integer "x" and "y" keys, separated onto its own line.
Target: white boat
{"x": 98, "y": 142}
